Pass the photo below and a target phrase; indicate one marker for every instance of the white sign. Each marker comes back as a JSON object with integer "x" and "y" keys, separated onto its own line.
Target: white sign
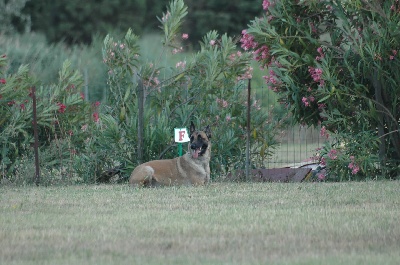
{"x": 181, "y": 135}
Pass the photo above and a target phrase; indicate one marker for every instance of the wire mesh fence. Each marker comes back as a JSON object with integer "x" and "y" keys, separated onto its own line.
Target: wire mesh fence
{"x": 298, "y": 146}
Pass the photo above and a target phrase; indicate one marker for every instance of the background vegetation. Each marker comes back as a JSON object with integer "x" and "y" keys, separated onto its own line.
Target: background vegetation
{"x": 317, "y": 57}
{"x": 81, "y": 138}
{"x": 75, "y": 22}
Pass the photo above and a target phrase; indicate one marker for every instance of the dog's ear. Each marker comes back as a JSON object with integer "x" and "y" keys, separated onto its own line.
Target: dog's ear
{"x": 207, "y": 130}
{"x": 192, "y": 128}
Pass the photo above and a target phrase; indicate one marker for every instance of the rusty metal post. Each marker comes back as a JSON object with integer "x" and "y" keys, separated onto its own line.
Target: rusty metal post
{"x": 140, "y": 125}
{"x": 248, "y": 132}
{"x": 35, "y": 133}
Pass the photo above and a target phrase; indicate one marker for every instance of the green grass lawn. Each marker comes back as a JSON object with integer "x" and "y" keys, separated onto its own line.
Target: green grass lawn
{"x": 223, "y": 223}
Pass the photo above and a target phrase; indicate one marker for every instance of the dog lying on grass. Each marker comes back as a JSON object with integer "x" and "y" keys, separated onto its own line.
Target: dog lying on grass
{"x": 193, "y": 168}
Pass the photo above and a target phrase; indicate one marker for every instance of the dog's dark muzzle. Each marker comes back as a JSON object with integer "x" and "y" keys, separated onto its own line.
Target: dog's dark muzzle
{"x": 197, "y": 150}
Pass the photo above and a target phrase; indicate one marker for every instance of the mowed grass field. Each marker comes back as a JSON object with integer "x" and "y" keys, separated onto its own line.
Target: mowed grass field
{"x": 223, "y": 223}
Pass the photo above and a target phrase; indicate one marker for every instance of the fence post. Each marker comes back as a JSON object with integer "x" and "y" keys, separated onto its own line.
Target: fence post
{"x": 86, "y": 84}
{"x": 35, "y": 134}
{"x": 248, "y": 132}
{"x": 140, "y": 126}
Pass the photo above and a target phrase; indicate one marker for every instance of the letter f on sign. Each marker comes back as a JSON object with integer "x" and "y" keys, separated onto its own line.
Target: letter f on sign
{"x": 181, "y": 135}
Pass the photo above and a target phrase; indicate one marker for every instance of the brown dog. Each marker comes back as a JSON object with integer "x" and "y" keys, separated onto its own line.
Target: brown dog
{"x": 193, "y": 168}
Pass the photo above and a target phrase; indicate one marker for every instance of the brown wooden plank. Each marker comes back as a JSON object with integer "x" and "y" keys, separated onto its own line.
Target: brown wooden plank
{"x": 272, "y": 174}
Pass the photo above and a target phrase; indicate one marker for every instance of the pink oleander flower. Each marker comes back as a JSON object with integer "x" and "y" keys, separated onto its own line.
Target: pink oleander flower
{"x": 61, "y": 107}
{"x": 313, "y": 28}
{"x": 95, "y": 116}
{"x": 305, "y": 101}
{"x": 321, "y": 176}
{"x": 181, "y": 64}
{"x": 394, "y": 53}
{"x": 272, "y": 81}
{"x": 266, "y": 4}
{"x": 247, "y": 75}
{"x": 156, "y": 81}
{"x": 228, "y": 118}
{"x": 212, "y": 42}
{"x": 166, "y": 17}
{"x": 247, "y": 41}
{"x": 82, "y": 95}
{"x": 316, "y": 74}
{"x": 324, "y": 132}
{"x": 175, "y": 51}
{"x": 353, "y": 166}
{"x": 2, "y": 81}
{"x": 185, "y": 36}
{"x": 321, "y": 54}
{"x": 261, "y": 53}
{"x": 222, "y": 102}
{"x": 333, "y": 154}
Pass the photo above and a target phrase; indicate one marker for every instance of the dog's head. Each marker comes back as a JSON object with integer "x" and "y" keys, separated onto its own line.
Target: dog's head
{"x": 199, "y": 141}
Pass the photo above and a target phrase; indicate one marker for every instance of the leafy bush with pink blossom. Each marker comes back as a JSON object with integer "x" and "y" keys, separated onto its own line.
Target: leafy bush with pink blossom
{"x": 80, "y": 140}
{"x": 209, "y": 88}
{"x": 61, "y": 112}
{"x": 336, "y": 63}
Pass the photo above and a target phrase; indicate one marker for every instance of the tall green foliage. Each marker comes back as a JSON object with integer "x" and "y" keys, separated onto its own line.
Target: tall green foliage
{"x": 61, "y": 111}
{"x": 337, "y": 63}
{"x": 79, "y": 140}
{"x": 208, "y": 89}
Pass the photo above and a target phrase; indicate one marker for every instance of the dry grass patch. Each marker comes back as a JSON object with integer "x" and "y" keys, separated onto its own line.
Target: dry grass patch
{"x": 224, "y": 223}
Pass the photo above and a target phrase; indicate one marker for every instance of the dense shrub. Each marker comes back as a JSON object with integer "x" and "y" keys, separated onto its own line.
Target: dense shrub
{"x": 79, "y": 140}
{"x": 209, "y": 89}
{"x": 336, "y": 63}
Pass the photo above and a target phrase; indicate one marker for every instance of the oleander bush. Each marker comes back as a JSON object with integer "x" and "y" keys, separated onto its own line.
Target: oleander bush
{"x": 336, "y": 63}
